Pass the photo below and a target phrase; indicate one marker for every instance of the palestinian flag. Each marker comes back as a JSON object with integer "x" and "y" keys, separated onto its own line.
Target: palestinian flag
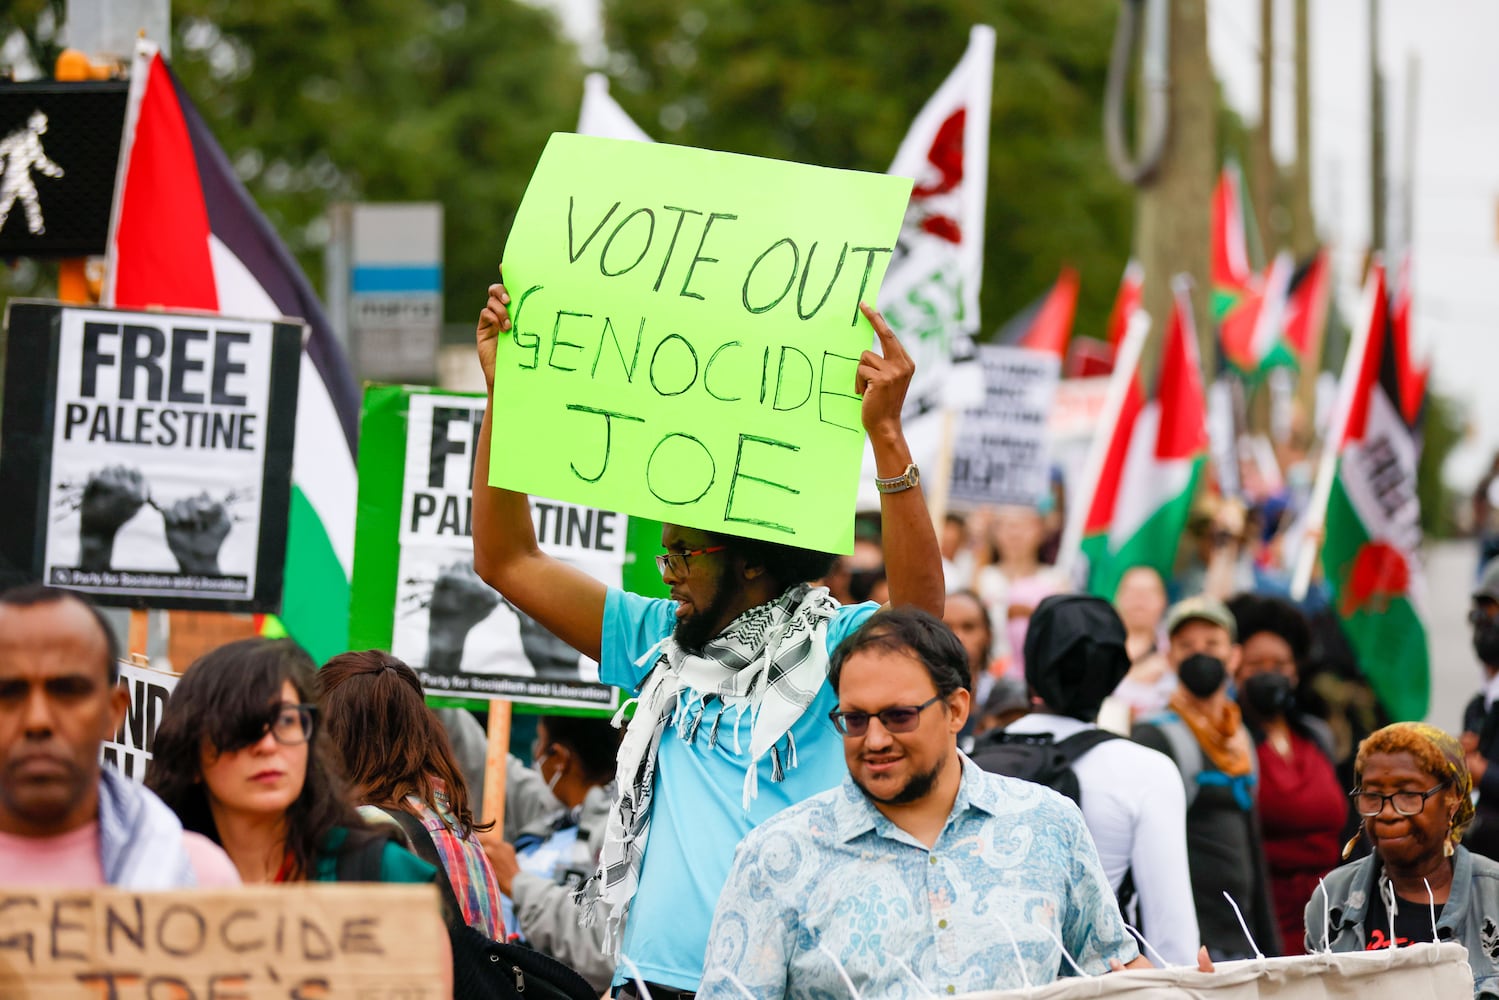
{"x": 1129, "y": 300}
{"x": 1153, "y": 464}
{"x": 1045, "y": 324}
{"x": 1230, "y": 269}
{"x": 1251, "y": 331}
{"x": 1412, "y": 374}
{"x": 185, "y": 234}
{"x": 1306, "y": 307}
{"x": 1372, "y": 525}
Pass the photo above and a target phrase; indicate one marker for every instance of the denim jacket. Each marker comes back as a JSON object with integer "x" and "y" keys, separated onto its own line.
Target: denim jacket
{"x": 1470, "y": 916}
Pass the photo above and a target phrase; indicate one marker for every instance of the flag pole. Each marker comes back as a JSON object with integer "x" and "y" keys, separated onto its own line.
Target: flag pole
{"x": 496, "y": 758}
{"x": 1327, "y": 465}
{"x": 1126, "y": 368}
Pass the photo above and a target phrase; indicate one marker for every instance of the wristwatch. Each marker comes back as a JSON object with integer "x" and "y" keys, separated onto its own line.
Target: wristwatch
{"x": 904, "y": 481}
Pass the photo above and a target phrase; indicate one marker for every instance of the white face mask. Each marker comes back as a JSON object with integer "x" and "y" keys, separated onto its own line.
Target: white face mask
{"x": 552, "y": 781}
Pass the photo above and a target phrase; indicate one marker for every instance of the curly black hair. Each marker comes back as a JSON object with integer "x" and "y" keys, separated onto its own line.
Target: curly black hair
{"x": 1255, "y": 613}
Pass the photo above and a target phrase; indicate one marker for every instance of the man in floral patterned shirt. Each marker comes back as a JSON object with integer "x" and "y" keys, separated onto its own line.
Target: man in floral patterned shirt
{"x": 921, "y": 875}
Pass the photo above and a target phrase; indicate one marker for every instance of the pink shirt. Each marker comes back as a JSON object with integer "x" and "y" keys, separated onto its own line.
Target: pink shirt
{"x": 72, "y": 860}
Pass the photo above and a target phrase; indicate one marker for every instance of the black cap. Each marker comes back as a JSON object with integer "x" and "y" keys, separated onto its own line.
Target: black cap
{"x": 1075, "y": 654}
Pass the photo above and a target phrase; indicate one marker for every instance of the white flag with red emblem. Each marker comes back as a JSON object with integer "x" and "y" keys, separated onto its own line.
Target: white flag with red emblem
{"x": 931, "y": 292}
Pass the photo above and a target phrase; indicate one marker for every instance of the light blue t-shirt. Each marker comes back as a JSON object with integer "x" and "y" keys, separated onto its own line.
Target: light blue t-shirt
{"x": 697, "y": 815}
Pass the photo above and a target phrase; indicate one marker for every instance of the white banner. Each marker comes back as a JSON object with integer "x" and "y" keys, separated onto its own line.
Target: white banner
{"x": 159, "y": 455}
{"x": 130, "y": 750}
{"x": 459, "y": 635}
{"x": 1003, "y": 451}
{"x": 1419, "y": 972}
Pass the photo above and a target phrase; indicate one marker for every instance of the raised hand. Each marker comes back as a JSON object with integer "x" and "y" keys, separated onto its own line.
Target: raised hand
{"x": 111, "y": 497}
{"x": 196, "y": 528}
{"x": 460, "y": 600}
{"x": 883, "y": 378}
{"x": 494, "y": 319}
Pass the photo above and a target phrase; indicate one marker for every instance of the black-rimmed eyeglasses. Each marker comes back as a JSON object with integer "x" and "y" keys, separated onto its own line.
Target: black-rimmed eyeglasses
{"x": 291, "y": 724}
{"x": 895, "y": 719}
{"x": 676, "y": 562}
{"x": 1371, "y": 804}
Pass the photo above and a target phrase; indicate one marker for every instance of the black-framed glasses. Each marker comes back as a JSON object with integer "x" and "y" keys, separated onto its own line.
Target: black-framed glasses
{"x": 895, "y": 719}
{"x": 676, "y": 562}
{"x": 1371, "y": 804}
{"x": 291, "y": 724}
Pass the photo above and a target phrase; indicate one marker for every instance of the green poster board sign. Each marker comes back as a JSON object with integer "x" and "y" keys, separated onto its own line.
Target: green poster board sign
{"x": 415, "y": 592}
{"x": 685, "y": 336}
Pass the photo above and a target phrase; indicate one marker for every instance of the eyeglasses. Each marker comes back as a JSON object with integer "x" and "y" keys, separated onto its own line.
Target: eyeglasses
{"x": 1371, "y": 804}
{"x": 895, "y": 719}
{"x": 676, "y": 562}
{"x": 1483, "y": 611}
{"x": 291, "y": 724}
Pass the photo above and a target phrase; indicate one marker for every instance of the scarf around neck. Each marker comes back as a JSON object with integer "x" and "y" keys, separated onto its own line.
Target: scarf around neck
{"x": 1216, "y": 725}
{"x": 770, "y": 662}
{"x": 140, "y": 838}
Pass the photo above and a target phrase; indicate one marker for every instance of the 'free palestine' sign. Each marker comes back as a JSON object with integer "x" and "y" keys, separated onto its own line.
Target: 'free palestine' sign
{"x": 685, "y": 333}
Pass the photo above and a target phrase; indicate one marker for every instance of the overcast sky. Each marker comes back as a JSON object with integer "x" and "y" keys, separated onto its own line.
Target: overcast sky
{"x": 1455, "y": 166}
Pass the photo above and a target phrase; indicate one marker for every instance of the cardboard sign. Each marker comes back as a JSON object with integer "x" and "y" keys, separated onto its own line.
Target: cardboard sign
{"x": 1419, "y": 972}
{"x": 130, "y": 750}
{"x": 154, "y": 468}
{"x": 685, "y": 334}
{"x": 330, "y": 942}
{"x": 1003, "y": 453}
{"x": 415, "y": 591}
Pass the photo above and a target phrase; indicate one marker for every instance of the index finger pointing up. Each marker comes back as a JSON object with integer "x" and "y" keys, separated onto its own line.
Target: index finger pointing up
{"x": 890, "y": 345}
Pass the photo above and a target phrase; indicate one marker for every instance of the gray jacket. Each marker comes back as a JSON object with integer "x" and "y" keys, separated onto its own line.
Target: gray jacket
{"x": 549, "y": 918}
{"x": 1470, "y": 916}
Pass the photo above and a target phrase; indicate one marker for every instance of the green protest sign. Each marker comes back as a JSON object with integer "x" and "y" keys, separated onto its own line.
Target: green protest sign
{"x": 685, "y": 333}
{"x": 415, "y": 592}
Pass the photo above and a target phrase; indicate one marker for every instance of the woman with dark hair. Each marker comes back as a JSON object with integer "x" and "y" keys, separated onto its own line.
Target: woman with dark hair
{"x": 397, "y": 757}
{"x": 1303, "y": 811}
{"x": 240, "y": 759}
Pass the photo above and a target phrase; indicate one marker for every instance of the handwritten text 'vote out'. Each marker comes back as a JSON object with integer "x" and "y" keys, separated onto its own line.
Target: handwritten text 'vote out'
{"x": 719, "y": 369}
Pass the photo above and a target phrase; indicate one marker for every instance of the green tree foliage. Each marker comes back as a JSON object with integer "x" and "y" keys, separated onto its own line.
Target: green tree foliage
{"x": 838, "y": 83}
{"x": 385, "y": 100}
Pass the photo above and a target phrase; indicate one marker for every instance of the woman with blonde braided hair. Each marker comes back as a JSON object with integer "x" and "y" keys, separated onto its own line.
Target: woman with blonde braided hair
{"x": 1418, "y": 883}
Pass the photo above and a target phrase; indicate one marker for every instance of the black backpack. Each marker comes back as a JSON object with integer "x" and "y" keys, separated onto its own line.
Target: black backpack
{"x": 482, "y": 968}
{"x": 1038, "y": 757}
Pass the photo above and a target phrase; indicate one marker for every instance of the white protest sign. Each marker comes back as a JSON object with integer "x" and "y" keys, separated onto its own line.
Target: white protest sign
{"x": 162, "y": 459}
{"x": 1420, "y": 972}
{"x": 458, "y": 633}
{"x": 283, "y": 942}
{"x": 130, "y": 750}
{"x": 1003, "y": 451}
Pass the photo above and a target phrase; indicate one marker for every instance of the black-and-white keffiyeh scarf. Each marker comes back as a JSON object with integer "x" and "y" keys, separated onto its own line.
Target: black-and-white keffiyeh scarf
{"x": 770, "y": 662}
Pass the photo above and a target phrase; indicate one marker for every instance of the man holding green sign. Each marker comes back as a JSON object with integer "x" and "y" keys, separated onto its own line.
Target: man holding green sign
{"x": 752, "y": 462}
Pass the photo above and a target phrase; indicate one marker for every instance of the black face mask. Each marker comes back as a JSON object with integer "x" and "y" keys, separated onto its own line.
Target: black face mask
{"x": 1201, "y": 674}
{"x": 1269, "y": 696}
{"x": 1486, "y": 642}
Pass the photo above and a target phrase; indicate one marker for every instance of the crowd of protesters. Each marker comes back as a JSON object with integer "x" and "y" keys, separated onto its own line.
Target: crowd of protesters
{"x": 815, "y": 761}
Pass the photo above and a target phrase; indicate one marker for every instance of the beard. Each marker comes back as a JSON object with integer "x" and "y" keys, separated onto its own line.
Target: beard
{"x": 917, "y": 787}
{"x": 695, "y": 631}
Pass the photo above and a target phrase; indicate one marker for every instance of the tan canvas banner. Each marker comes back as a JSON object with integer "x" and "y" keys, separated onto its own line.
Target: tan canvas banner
{"x": 306, "y": 942}
{"x": 1422, "y": 972}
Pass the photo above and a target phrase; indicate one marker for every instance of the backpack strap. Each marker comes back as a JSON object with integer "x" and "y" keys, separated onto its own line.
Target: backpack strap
{"x": 1074, "y": 746}
{"x": 423, "y": 847}
{"x": 1186, "y": 750}
{"x": 363, "y": 863}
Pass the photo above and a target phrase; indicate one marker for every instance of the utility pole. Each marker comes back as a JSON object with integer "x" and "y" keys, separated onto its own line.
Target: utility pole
{"x": 1303, "y": 228}
{"x": 1264, "y": 152}
{"x": 1174, "y": 212}
{"x": 1378, "y": 186}
{"x": 1408, "y": 203}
